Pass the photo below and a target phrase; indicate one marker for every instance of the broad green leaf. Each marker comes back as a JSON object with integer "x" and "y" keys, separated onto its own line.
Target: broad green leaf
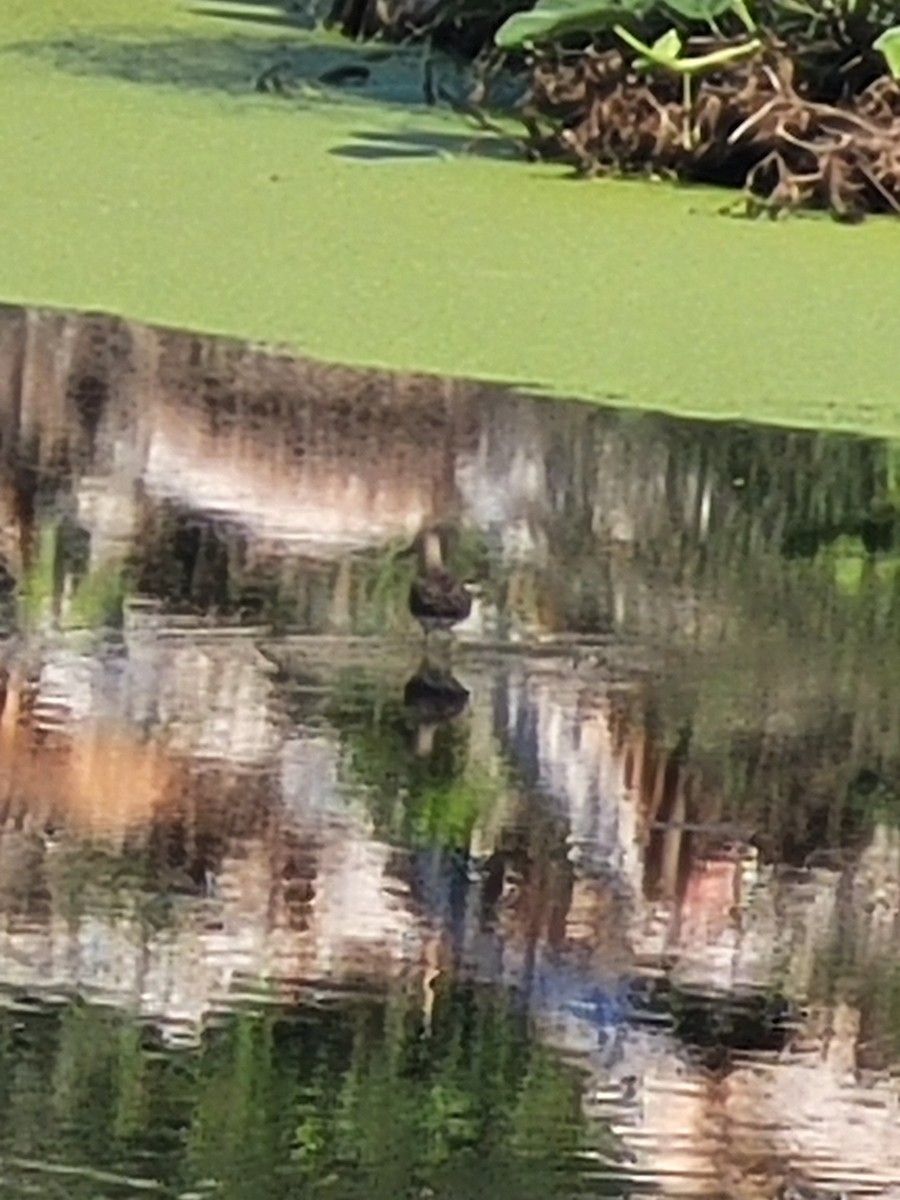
{"x": 552, "y": 19}
{"x": 700, "y": 10}
{"x": 889, "y": 45}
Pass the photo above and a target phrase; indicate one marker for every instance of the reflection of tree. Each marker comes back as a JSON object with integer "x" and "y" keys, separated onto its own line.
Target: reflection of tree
{"x": 788, "y": 715}
{"x": 59, "y": 585}
{"x": 352, "y": 1101}
{"x": 196, "y": 564}
{"x": 379, "y": 1112}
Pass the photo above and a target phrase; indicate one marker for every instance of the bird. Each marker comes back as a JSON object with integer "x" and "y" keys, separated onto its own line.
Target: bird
{"x": 437, "y": 600}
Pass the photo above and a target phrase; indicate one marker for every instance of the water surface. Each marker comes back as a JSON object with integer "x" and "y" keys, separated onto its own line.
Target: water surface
{"x": 611, "y": 911}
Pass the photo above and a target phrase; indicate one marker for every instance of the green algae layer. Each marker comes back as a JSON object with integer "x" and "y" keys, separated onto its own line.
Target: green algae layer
{"x": 143, "y": 175}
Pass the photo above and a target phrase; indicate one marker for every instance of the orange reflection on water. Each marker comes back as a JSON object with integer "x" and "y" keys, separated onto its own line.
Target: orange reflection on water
{"x": 94, "y": 777}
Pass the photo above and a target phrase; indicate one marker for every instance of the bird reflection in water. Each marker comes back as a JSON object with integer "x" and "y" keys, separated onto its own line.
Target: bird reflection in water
{"x": 432, "y": 697}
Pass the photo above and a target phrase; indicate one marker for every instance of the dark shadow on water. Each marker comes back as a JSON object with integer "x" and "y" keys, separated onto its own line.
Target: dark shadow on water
{"x": 375, "y": 153}
{"x": 233, "y": 65}
{"x": 373, "y": 145}
{"x": 288, "y": 16}
{"x": 288, "y": 74}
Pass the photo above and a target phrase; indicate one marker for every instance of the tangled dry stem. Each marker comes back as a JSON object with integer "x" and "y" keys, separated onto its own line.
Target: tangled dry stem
{"x": 749, "y": 124}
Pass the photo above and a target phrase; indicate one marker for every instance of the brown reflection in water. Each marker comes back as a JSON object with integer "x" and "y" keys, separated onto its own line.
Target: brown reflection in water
{"x": 800, "y": 1124}
{"x": 717, "y": 915}
{"x": 761, "y": 1124}
{"x": 122, "y": 419}
{"x": 595, "y": 521}
{"x": 220, "y": 853}
{"x": 101, "y": 779}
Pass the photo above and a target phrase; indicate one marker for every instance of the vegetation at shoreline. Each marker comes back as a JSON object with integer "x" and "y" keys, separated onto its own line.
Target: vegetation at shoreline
{"x": 798, "y": 103}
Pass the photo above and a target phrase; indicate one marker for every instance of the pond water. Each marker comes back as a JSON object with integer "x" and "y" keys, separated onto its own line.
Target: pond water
{"x": 599, "y": 896}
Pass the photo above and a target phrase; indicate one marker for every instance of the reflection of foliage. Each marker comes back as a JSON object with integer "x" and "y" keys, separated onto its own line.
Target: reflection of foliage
{"x": 445, "y": 813}
{"x": 435, "y": 800}
{"x": 194, "y": 563}
{"x": 78, "y": 1087}
{"x": 97, "y": 595}
{"x": 351, "y": 1102}
{"x": 376, "y": 1111}
{"x": 38, "y": 586}
{"x": 879, "y": 1002}
{"x": 858, "y": 572}
{"x": 385, "y": 586}
{"x": 86, "y": 876}
{"x": 792, "y": 694}
{"x": 846, "y": 973}
{"x": 470, "y": 557}
{"x": 873, "y": 801}
{"x": 795, "y": 792}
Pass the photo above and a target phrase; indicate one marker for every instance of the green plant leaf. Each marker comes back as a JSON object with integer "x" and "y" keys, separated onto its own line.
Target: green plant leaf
{"x": 552, "y": 19}
{"x": 668, "y": 46}
{"x": 651, "y": 56}
{"x": 665, "y": 49}
{"x": 700, "y": 10}
{"x": 888, "y": 44}
{"x": 742, "y": 12}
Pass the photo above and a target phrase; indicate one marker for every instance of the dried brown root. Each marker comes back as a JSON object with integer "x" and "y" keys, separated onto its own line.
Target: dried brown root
{"x": 748, "y": 122}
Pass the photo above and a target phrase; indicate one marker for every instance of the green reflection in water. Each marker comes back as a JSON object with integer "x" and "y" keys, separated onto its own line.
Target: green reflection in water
{"x": 430, "y": 799}
{"x": 95, "y": 594}
{"x": 349, "y": 1101}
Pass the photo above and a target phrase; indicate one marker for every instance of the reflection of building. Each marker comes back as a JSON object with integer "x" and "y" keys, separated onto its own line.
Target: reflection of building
{"x": 244, "y": 939}
{"x": 764, "y": 1125}
{"x": 709, "y": 913}
{"x": 240, "y": 828}
{"x": 124, "y": 420}
{"x": 325, "y": 502}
